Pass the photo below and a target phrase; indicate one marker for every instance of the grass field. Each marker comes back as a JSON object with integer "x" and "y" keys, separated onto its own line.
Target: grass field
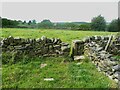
{"x": 66, "y": 74}
{"x": 64, "y": 35}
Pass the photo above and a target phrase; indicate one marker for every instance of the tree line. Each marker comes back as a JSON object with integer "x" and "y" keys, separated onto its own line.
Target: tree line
{"x": 97, "y": 23}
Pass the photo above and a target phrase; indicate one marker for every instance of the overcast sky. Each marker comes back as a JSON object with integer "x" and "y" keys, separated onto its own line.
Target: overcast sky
{"x": 59, "y": 11}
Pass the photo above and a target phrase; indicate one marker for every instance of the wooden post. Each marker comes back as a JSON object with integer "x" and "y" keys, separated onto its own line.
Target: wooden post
{"x": 108, "y": 43}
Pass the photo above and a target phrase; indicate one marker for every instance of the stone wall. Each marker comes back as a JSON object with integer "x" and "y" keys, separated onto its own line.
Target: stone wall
{"x": 35, "y": 47}
{"x": 102, "y": 51}
{"x": 95, "y": 49}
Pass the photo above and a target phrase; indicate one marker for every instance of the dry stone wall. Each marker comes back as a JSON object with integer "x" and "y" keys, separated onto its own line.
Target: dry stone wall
{"x": 103, "y": 59}
{"x": 35, "y": 47}
{"x": 102, "y": 51}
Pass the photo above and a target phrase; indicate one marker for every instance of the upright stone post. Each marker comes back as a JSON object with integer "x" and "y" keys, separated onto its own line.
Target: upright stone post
{"x": 77, "y": 48}
{"x": 75, "y": 45}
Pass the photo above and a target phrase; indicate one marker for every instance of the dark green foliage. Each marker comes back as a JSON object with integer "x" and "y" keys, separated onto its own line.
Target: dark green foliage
{"x": 6, "y": 57}
{"x": 71, "y": 26}
{"x": 60, "y": 26}
{"x": 24, "y": 22}
{"x": 118, "y": 24}
{"x": 33, "y": 21}
{"x": 29, "y": 22}
{"x": 6, "y": 23}
{"x": 98, "y": 23}
{"x": 47, "y": 24}
{"x": 114, "y": 26}
{"x": 15, "y": 57}
{"x": 85, "y": 26}
{"x": 0, "y": 22}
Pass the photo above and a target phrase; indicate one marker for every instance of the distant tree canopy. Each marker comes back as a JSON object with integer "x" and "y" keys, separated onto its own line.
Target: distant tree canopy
{"x": 60, "y": 26}
{"x": 98, "y": 23}
{"x": 114, "y": 26}
{"x": 0, "y": 22}
{"x": 24, "y": 22}
{"x": 29, "y": 22}
{"x": 118, "y": 24}
{"x": 71, "y": 25}
{"x": 9, "y": 23}
{"x": 33, "y": 21}
{"x": 45, "y": 24}
{"x": 85, "y": 26}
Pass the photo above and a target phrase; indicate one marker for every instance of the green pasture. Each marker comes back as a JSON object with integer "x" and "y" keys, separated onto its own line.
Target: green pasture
{"x": 64, "y": 35}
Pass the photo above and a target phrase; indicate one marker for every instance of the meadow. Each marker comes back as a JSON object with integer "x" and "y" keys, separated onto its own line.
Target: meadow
{"x": 66, "y": 73}
{"x": 64, "y": 35}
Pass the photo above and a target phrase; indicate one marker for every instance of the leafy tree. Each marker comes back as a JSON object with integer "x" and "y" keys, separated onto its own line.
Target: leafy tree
{"x": 33, "y": 21}
{"x": 113, "y": 26}
{"x": 46, "y": 24}
{"x": 24, "y": 22}
{"x": 85, "y": 27}
{"x": 118, "y": 24}
{"x": 98, "y": 23}
{"x": 71, "y": 25}
{"x": 6, "y": 23}
{"x": 29, "y": 22}
{"x": 0, "y": 22}
{"x": 60, "y": 26}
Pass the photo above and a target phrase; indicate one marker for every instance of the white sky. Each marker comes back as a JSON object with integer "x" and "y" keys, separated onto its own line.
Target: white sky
{"x": 59, "y": 0}
{"x": 59, "y": 11}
